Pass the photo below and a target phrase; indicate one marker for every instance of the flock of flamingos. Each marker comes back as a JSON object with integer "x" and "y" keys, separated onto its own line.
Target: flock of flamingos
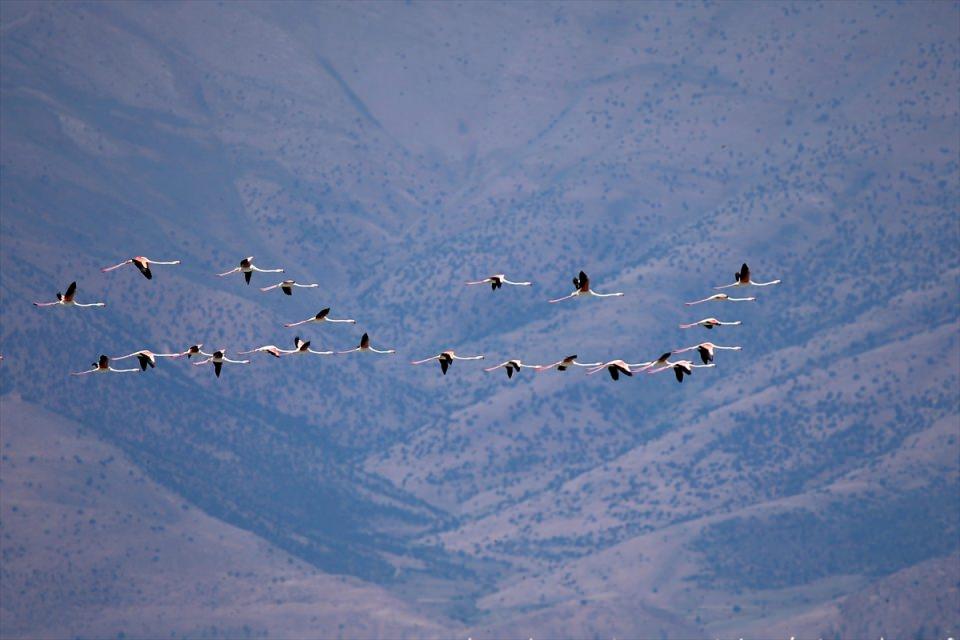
{"x": 581, "y": 284}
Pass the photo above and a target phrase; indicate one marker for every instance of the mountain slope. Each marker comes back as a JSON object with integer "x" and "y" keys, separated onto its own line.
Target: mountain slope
{"x": 393, "y": 151}
{"x": 93, "y": 547}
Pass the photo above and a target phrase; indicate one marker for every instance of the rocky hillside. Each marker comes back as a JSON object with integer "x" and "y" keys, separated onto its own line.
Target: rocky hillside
{"x": 392, "y": 152}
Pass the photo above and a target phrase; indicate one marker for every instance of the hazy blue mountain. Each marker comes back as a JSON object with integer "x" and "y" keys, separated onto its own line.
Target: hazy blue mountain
{"x": 392, "y": 151}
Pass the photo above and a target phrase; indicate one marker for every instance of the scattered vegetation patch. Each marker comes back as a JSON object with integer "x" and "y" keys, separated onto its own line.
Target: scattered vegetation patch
{"x": 870, "y": 537}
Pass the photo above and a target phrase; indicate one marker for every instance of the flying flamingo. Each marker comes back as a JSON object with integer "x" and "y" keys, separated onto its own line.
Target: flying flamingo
{"x": 616, "y": 367}
{"x": 66, "y": 299}
{"x": 322, "y": 316}
{"x": 287, "y": 286}
{"x": 582, "y": 288}
{"x": 742, "y": 279}
{"x": 103, "y": 366}
{"x": 706, "y": 350}
{"x": 659, "y": 362}
{"x": 194, "y": 350}
{"x": 446, "y": 359}
{"x": 147, "y": 358}
{"x": 273, "y": 350}
{"x": 512, "y": 367}
{"x": 710, "y": 323}
{"x": 365, "y": 347}
{"x": 142, "y": 263}
{"x": 498, "y": 281}
{"x": 720, "y": 296}
{"x": 681, "y": 368}
{"x": 304, "y": 347}
{"x": 566, "y": 363}
{"x": 247, "y": 268}
{"x": 217, "y": 360}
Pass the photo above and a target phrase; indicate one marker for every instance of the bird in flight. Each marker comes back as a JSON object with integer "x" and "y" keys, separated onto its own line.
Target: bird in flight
{"x": 364, "y": 346}
{"x": 322, "y": 316}
{"x": 66, "y": 299}
{"x": 710, "y": 323}
{"x": 662, "y": 360}
{"x": 706, "y": 350}
{"x": 616, "y": 367}
{"x": 446, "y": 359}
{"x": 742, "y": 279}
{"x": 147, "y": 358}
{"x": 194, "y": 350}
{"x": 287, "y": 286}
{"x": 271, "y": 349}
{"x": 566, "y": 363}
{"x": 581, "y": 285}
{"x": 498, "y": 281}
{"x": 247, "y": 268}
{"x": 681, "y": 368}
{"x": 142, "y": 263}
{"x": 512, "y": 367}
{"x": 103, "y": 366}
{"x": 217, "y": 359}
{"x": 720, "y": 297}
{"x": 301, "y": 347}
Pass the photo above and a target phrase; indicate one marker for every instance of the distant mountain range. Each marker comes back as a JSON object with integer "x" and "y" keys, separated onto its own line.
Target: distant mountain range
{"x": 394, "y": 151}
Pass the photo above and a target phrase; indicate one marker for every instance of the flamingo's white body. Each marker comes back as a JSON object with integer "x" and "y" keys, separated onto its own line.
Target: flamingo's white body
{"x": 681, "y": 368}
{"x": 67, "y": 299}
{"x": 512, "y": 367}
{"x": 103, "y": 366}
{"x": 142, "y": 263}
{"x": 247, "y": 268}
{"x": 287, "y": 286}
{"x": 710, "y": 323}
{"x": 446, "y": 359}
{"x": 364, "y": 347}
{"x": 147, "y": 358}
{"x": 270, "y": 349}
{"x": 616, "y": 367}
{"x": 582, "y": 288}
{"x": 194, "y": 350}
{"x": 566, "y": 363}
{"x": 217, "y": 359}
{"x": 322, "y": 316}
{"x": 498, "y": 281}
{"x": 742, "y": 279}
{"x": 720, "y": 297}
{"x": 707, "y": 350}
{"x": 659, "y": 362}
{"x": 302, "y": 348}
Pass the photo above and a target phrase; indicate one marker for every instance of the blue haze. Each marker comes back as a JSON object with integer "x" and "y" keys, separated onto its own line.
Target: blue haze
{"x": 393, "y": 151}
